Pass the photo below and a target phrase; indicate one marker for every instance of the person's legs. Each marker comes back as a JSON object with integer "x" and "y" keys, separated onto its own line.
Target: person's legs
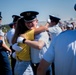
{"x": 5, "y": 63}
{"x": 53, "y": 69}
{"x": 34, "y": 67}
{"x": 49, "y": 71}
{"x": 13, "y": 61}
{"x": 23, "y": 68}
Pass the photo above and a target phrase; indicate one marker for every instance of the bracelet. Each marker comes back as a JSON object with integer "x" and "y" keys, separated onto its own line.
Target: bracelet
{"x": 24, "y": 40}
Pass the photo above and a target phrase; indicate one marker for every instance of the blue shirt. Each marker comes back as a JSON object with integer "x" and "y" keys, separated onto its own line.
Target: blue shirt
{"x": 63, "y": 52}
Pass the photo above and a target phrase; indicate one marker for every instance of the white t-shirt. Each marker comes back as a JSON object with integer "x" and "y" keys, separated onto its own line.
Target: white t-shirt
{"x": 63, "y": 52}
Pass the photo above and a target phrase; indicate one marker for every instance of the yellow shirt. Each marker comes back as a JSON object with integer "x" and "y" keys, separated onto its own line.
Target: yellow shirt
{"x": 24, "y": 54}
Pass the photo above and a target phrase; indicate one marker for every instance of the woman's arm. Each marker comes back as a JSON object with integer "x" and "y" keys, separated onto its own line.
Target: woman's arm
{"x": 41, "y": 29}
{"x": 35, "y": 44}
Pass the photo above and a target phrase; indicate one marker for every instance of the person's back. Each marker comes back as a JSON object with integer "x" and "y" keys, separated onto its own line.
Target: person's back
{"x": 54, "y": 31}
{"x": 65, "y": 53}
{"x": 53, "y": 28}
{"x": 24, "y": 54}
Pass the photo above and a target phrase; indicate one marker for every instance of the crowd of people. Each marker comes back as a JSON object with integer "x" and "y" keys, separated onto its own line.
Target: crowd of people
{"x": 48, "y": 49}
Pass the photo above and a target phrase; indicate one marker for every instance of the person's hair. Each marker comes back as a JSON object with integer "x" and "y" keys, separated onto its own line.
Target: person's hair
{"x": 20, "y": 29}
{"x": 55, "y": 21}
{"x": 11, "y": 26}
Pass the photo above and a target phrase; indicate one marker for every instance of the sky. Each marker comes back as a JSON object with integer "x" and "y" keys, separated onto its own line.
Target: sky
{"x": 63, "y": 9}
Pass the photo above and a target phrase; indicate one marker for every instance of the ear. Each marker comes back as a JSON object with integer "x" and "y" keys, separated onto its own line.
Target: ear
{"x": 36, "y": 20}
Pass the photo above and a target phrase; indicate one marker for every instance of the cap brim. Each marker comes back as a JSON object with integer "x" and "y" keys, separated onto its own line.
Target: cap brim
{"x": 29, "y": 20}
{"x": 32, "y": 12}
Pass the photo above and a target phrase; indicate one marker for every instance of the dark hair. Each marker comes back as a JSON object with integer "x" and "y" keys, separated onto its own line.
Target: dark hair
{"x": 55, "y": 21}
{"x": 20, "y": 29}
{"x": 11, "y": 26}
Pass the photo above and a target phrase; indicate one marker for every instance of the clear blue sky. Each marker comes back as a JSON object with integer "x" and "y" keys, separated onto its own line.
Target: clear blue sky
{"x": 61, "y": 8}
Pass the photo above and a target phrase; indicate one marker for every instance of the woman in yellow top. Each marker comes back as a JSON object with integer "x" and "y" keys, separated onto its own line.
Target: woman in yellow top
{"x": 22, "y": 66}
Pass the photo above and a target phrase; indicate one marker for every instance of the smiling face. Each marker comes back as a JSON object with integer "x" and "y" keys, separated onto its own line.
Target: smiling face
{"x": 32, "y": 24}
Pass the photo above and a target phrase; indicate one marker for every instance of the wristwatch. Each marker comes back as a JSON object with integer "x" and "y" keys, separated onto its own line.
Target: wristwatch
{"x": 24, "y": 40}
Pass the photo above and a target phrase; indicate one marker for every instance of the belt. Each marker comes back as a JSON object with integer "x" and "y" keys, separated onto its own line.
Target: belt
{"x": 35, "y": 64}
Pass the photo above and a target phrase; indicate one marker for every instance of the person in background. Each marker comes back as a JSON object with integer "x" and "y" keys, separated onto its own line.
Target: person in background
{"x": 9, "y": 36}
{"x": 69, "y": 27}
{"x": 53, "y": 26}
{"x": 62, "y": 52}
{"x": 74, "y": 24}
{"x": 28, "y": 31}
{"x": 61, "y": 25}
{"x": 5, "y": 68}
{"x": 53, "y": 31}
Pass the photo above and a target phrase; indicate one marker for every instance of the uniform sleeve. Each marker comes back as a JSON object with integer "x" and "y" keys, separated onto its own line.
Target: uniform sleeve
{"x": 52, "y": 30}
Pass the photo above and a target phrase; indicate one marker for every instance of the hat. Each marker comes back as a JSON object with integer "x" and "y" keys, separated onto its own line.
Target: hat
{"x": 0, "y": 16}
{"x": 52, "y": 18}
{"x": 29, "y": 15}
{"x": 70, "y": 25}
{"x": 15, "y": 18}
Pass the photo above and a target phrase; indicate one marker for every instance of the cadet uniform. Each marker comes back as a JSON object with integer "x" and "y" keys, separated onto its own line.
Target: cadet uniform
{"x": 53, "y": 31}
{"x": 9, "y": 36}
{"x": 5, "y": 68}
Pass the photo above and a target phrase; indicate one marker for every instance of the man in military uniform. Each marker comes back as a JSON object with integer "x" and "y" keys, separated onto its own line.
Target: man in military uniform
{"x": 5, "y": 68}
{"x": 9, "y": 39}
